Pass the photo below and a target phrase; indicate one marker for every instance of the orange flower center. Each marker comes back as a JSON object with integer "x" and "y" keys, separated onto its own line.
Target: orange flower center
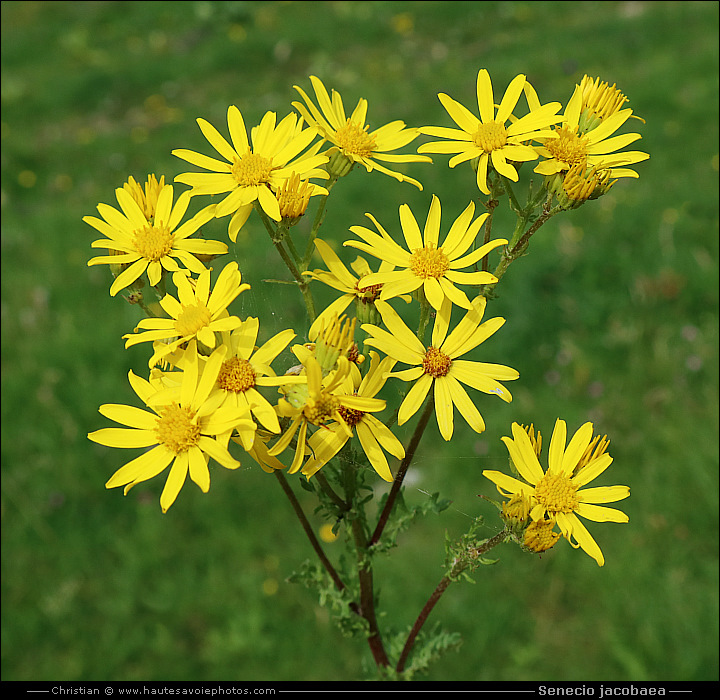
{"x": 436, "y": 363}
{"x": 351, "y": 416}
{"x": 367, "y": 295}
{"x": 236, "y": 375}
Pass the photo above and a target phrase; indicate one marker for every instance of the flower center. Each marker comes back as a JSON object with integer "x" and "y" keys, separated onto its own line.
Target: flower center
{"x": 352, "y": 139}
{"x": 429, "y": 262}
{"x": 153, "y": 241}
{"x": 236, "y": 375}
{"x": 557, "y": 493}
{"x": 350, "y": 415}
{"x": 192, "y": 318}
{"x": 319, "y": 410}
{"x": 367, "y": 295}
{"x": 490, "y": 136}
{"x": 436, "y": 363}
{"x": 252, "y": 169}
{"x": 568, "y": 147}
{"x": 176, "y": 429}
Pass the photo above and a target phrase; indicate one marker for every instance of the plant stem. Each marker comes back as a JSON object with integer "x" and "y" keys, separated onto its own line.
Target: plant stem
{"x": 364, "y": 564}
{"x": 319, "y": 215}
{"x": 301, "y": 281}
{"x": 397, "y": 483}
{"x": 439, "y": 590}
{"x": 308, "y": 530}
{"x": 517, "y": 245}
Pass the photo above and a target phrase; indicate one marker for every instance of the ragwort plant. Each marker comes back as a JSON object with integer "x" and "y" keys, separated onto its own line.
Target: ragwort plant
{"x": 213, "y": 393}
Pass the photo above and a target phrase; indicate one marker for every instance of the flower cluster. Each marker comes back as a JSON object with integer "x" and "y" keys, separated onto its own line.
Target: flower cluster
{"x": 212, "y": 388}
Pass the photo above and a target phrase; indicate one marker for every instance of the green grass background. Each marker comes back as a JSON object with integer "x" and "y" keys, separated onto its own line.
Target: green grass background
{"x": 611, "y": 318}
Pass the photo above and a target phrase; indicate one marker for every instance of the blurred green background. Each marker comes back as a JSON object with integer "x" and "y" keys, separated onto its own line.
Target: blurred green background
{"x": 611, "y": 318}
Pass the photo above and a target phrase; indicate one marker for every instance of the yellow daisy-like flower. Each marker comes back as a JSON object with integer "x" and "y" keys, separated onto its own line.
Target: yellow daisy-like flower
{"x": 339, "y": 277}
{"x": 435, "y": 268}
{"x": 374, "y": 436}
{"x": 318, "y": 402}
{"x": 351, "y": 137}
{"x": 247, "y": 367}
{"x": 182, "y": 432}
{"x": 196, "y": 313}
{"x": 253, "y": 173}
{"x": 558, "y": 493}
{"x": 439, "y": 366}
{"x": 151, "y": 244}
{"x": 489, "y": 138}
{"x": 586, "y": 140}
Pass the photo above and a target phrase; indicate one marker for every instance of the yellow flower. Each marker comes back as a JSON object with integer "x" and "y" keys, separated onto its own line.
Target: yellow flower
{"x": 439, "y": 366}
{"x": 182, "y": 432}
{"x": 146, "y": 199}
{"x": 580, "y": 184}
{"x": 599, "y": 101}
{"x": 197, "y": 313}
{"x": 350, "y": 136}
{"x": 294, "y": 197}
{"x": 151, "y": 245}
{"x": 584, "y": 139}
{"x": 339, "y": 277}
{"x": 435, "y": 268}
{"x": 247, "y": 367}
{"x": 256, "y": 173}
{"x": 558, "y": 493}
{"x": 374, "y": 436}
{"x": 489, "y": 138}
{"x": 319, "y": 402}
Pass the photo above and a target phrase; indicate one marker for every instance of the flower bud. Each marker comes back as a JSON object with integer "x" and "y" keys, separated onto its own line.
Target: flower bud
{"x": 338, "y": 164}
{"x": 334, "y": 341}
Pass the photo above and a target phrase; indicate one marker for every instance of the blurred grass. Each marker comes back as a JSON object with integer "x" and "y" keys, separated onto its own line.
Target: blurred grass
{"x": 612, "y": 318}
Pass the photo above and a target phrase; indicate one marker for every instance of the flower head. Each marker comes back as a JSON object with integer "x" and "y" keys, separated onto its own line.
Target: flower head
{"x": 182, "y": 430}
{"x": 352, "y": 141}
{"x": 557, "y": 494}
{"x": 489, "y": 138}
{"x": 584, "y": 136}
{"x": 147, "y": 198}
{"x": 244, "y": 370}
{"x": 294, "y": 197}
{"x": 599, "y": 101}
{"x": 426, "y": 263}
{"x": 339, "y": 277}
{"x": 374, "y": 436}
{"x": 321, "y": 401}
{"x": 254, "y": 172}
{"x": 153, "y": 244}
{"x": 196, "y": 313}
{"x": 439, "y": 366}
